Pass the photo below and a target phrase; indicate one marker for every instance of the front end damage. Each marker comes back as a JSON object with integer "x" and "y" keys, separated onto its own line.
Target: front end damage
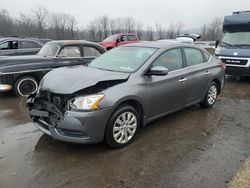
{"x": 52, "y": 114}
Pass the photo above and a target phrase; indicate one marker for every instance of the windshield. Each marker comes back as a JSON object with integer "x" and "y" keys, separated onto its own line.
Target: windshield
{"x": 111, "y": 38}
{"x": 123, "y": 59}
{"x": 236, "y": 39}
{"x": 49, "y": 50}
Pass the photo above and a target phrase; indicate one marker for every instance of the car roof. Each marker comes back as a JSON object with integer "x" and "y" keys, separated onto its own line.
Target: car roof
{"x": 22, "y": 38}
{"x": 70, "y": 42}
{"x": 77, "y": 42}
{"x": 161, "y": 44}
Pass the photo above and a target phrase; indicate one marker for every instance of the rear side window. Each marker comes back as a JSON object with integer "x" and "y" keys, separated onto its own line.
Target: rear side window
{"x": 171, "y": 59}
{"x": 193, "y": 56}
{"x": 91, "y": 52}
{"x": 70, "y": 51}
{"x": 206, "y": 56}
{"x": 132, "y": 38}
{"x": 28, "y": 44}
{"x": 10, "y": 45}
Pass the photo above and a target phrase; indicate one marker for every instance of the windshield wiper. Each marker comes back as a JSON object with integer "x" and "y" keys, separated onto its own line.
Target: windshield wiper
{"x": 240, "y": 45}
{"x": 225, "y": 43}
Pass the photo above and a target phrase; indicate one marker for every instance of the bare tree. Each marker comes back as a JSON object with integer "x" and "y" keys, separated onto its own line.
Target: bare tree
{"x": 104, "y": 22}
{"x": 6, "y": 23}
{"x": 204, "y": 32}
{"x": 129, "y": 24}
{"x": 42, "y": 23}
{"x": 72, "y": 26}
{"x": 160, "y": 30}
{"x": 38, "y": 18}
{"x": 214, "y": 29}
{"x": 178, "y": 28}
{"x": 149, "y": 34}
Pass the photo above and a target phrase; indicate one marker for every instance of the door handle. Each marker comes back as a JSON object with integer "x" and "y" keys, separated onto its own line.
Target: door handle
{"x": 207, "y": 73}
{"x": 182, "y": 79}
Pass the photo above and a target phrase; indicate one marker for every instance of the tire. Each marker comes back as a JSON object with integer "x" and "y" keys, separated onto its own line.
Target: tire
{"x": 211, "y": 96}
{"x": 25, "y": 85}
{"x": 118, "y": 135}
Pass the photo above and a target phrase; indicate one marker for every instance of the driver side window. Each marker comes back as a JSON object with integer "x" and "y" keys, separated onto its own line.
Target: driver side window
{"x": 70, "y": 51}
{"x": 171, "y": 59}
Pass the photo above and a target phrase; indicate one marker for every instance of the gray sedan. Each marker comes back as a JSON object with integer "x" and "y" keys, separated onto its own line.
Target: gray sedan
{"x": 124, "y": 89}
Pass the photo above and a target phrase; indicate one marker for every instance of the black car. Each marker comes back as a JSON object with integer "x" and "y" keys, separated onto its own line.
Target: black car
{"x": 22, "y": 74}
{"x": 14, "y": 46}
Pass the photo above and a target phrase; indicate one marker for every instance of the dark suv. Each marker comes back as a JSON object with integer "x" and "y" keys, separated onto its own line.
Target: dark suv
{"x": 13, "y": 46}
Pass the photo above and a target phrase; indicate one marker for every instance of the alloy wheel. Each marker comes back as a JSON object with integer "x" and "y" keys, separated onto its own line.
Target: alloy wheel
{"x": 125, "y": 127}
{"x": 212, "y": 95}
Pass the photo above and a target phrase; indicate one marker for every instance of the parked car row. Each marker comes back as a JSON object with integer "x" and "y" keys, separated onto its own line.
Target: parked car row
{"x": 22, "y": 74}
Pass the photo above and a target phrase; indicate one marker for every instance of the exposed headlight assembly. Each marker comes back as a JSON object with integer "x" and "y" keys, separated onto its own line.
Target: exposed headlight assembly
{"x": 89, "y": 102}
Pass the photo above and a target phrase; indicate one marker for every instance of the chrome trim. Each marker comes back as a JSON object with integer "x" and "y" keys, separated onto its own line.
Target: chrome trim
{"x": 5, "y": 87}
{"x": 183, "y": 80}
{"x": 236, "y": 58}
{"x": 207, "y": 73}
{"x": 26, "y": 71}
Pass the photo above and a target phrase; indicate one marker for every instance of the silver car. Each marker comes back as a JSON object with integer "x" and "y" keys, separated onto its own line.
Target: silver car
{"x": 123, "y": 90}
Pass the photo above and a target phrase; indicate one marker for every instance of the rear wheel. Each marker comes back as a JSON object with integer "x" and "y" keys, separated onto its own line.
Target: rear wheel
{"x": 26, "y": 85}
{"x": 211, "y": 96}
{"x": 122, "y": 127}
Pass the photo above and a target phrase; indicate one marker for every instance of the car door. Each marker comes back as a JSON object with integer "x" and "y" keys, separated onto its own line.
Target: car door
{"x": 28, "y": 47}
{"x": 198, "y": 74}
{"x": 69, "y": 56}
{"x": 166, "y": 93}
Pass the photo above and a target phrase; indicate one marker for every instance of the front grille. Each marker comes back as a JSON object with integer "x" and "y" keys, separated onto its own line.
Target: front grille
{"x": 54, "y": 104}
{"x": 235, "y": 61}
{"x": 53, "y": 100}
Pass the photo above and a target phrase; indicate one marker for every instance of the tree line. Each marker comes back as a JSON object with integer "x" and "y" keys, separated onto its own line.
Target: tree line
{"x": 57, "y": 25}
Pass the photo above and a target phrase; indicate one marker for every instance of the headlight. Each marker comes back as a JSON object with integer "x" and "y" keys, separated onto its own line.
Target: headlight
{"x": 86, "y": 103}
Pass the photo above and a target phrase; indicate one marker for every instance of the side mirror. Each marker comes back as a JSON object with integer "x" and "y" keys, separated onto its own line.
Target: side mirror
{"x": 217, "y": 43}
{"x": 158, "y": 71}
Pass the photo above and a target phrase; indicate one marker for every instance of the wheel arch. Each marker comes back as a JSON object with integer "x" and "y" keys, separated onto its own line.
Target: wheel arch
{"x": 135, "y": 103}
{"x": 218, "y": 83}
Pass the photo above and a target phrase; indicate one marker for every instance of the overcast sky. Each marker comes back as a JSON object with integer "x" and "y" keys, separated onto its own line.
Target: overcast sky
{"x": 193, "y": 13}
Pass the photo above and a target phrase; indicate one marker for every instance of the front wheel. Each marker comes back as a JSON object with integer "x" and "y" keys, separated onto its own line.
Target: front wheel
{"x": 24, "y": 86}
{"x": 122, "y": 127}
{"x": 211, "y": 96}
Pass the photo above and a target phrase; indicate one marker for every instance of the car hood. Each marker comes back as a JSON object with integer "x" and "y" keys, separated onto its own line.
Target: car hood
{"x": 233, "y": 52}
{"x": 69, "y": 80}
{"x": 13, "y": 60}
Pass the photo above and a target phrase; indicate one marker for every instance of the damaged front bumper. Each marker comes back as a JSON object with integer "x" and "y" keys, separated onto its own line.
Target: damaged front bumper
{"x": 70, "y": 126}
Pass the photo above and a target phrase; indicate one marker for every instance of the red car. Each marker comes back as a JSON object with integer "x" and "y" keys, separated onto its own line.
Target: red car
{"x": 118, "y": 40}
